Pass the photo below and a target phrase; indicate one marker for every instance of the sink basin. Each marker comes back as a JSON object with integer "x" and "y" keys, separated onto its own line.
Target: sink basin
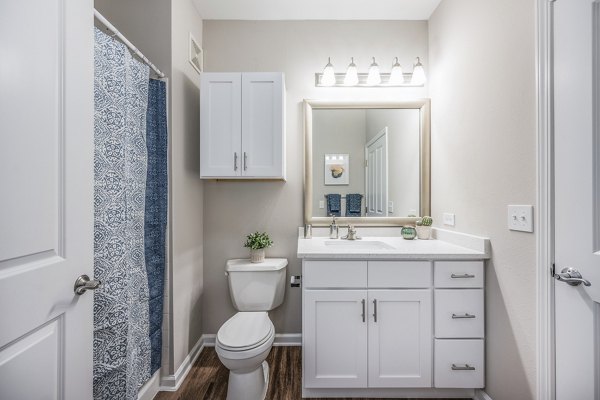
{"x": 359, "y": 244}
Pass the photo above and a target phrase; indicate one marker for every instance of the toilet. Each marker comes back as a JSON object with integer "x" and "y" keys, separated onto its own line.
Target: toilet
{"x": 244, "y": 341}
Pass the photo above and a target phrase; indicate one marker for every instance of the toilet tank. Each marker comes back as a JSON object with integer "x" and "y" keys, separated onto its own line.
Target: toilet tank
{"x": 256, "y": 286}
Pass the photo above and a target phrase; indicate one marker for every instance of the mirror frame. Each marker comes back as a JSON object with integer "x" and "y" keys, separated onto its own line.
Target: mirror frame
{"x": 423, "y": 105}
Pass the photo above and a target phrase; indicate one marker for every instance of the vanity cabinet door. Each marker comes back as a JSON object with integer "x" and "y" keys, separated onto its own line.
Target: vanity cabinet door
{"x": 400, "y": 338}
{"x": 221, "y": 125}
{"x": 263, "y": 139}
{"x": 335, "y": 339}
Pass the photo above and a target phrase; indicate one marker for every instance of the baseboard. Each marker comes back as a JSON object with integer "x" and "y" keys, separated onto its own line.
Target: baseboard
{"x": 150, "y": 388}
{"x": 481, "y": 395}
{"x": 281, "y": 339}
{"x": 171, "y": 383}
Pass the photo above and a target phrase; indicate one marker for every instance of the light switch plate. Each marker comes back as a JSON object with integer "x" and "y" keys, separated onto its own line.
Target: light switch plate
{"x": 390, "y": 206}
{"x": 520, "y": 218}
{"x": 321, "y": 203}
{"x": 448, "y": 219}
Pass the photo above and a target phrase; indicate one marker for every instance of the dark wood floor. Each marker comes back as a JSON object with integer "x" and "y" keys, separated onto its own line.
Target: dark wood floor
{"x": 207, "y": 379}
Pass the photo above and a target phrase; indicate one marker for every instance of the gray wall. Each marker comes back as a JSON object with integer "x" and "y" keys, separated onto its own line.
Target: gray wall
{"x": 160, "y": 30}
{"x": 299, "y": 49}
{"x": 482, "y": 86}
{"x": 338, "y": 132}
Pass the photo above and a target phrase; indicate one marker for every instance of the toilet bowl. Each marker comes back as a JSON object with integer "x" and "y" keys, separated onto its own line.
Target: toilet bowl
{"x": 244, "y": 341}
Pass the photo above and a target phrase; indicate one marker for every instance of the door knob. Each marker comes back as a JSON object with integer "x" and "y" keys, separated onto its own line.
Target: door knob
{"x": 572, "y": 277}
{"x": 84, "y": 283}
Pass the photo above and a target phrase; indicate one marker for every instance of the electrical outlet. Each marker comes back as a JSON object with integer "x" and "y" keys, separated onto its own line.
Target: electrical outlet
{"x": 520, "y": 218}
{"x": 390, "y": 206}
{"x": 448, "y": 219}
{"x": 321, "y": 203}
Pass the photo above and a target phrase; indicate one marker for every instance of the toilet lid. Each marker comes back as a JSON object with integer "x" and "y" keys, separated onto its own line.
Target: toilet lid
{"x": 245, "y": 330}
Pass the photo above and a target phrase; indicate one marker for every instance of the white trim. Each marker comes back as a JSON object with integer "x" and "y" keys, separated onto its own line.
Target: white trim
{"x": 544, "y": 219}
{"x": 150, "y": 388}
{"x": 481, "y": 395}
{"x": 281, "y": 339}
{"x": 171, "y": 383}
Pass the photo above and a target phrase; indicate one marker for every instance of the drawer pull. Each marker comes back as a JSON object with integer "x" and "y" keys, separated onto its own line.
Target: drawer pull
{"x": 375, "y": 310}
{"x": 462, "y": 316}
{"x": 465, "y": 367}
{"x": 363, "y": 310}
{"x": 462, "y": 276}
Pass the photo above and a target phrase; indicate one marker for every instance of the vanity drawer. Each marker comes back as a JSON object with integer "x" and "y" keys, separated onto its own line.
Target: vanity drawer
{"x": 335, "y": 274}
{"x": 459, "y": 313}
{"x": 459, "y": 363}
{"x": 458, "y": 274}
{"x": 399, "y": 274}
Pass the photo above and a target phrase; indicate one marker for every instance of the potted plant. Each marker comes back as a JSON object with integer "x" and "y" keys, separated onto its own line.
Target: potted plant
{"x": 424, "y": 227}
{"x": 257, "y": 242}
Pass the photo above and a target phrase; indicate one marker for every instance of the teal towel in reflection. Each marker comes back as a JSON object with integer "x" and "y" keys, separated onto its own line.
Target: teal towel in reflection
{"x": 354, "y": 205}
{"x": 334, "y": 204}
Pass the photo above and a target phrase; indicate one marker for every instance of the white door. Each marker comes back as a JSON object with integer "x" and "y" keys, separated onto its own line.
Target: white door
{"x": 263, "y": 139}
{"x": 376, "y": 175}
{"x": 400, "y": 338}
{"x": 577, "y": 196}
{"x": 335, "y": 339}
{"x": 46, "y": 184}
{"x": 220, "y": 125}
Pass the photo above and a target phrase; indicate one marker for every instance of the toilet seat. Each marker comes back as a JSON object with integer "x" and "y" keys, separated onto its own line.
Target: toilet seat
{"x": 245, "y": 332}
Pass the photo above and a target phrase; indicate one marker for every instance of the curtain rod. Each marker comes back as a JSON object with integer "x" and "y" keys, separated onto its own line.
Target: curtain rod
{"x": 134, "y": 49}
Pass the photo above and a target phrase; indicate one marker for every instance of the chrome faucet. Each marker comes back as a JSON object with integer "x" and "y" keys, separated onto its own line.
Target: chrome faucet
{"x": 351, "y": 235}
{"x": 333, "y": 229}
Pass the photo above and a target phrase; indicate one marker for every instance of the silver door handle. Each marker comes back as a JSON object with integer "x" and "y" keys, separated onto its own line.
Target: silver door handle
{"x": 465, "y": 367}
{"x": 363, "y": 309}
{"x": 572, "y": 277}
{"x": 84, "y": 283}
{"x": 462, "y": 316}
{"x": 235, "y": 161}
{"x": 245, "y": 161}
{"x": 375, "y": 310}
{"x": 462, "y": 276}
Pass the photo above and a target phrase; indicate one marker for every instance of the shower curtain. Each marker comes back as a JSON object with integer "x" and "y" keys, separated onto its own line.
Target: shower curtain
{"x": 121, "y": 305}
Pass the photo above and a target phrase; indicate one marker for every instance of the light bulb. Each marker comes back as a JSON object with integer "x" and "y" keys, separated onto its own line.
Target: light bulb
{"x": 374, "y": 78}
{"x": 396, "y": 77}
{"x": 328, "y": 78}
{"x": 351, "y": 78}
{"x": 418, "y": 75}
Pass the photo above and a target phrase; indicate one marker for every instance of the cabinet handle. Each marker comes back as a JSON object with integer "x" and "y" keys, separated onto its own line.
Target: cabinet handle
{"x": 465, "y": 367}
{"x": 245, "y": 161}
{"x": 462, "y": 276}
{"x": 462, "y": 316}
{"x": 363, "y": 309}
{"x": 375, "y": 310}
{"x": 235, "y": 161}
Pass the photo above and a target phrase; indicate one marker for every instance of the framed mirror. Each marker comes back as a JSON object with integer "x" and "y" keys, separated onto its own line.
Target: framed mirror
{"x": 366, "y": 163}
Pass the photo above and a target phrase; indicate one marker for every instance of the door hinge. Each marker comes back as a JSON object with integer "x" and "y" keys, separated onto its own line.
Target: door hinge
{"x": 366, "y": 163}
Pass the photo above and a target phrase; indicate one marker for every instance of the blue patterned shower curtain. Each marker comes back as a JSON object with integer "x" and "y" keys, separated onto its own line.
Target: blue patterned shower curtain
{"x": 156, "y": 210}
{"x": 121, "y": 310}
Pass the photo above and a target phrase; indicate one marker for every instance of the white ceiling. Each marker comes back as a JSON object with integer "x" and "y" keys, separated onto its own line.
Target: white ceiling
{"x": 316, "y": 9}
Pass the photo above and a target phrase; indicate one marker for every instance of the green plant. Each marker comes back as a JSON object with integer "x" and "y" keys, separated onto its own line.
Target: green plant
{"x": 258, "y": 240}
{"x": 425, "y": 221}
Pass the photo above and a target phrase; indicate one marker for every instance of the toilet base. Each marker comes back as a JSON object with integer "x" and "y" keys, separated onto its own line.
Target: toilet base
{"x": 251, "y": 385}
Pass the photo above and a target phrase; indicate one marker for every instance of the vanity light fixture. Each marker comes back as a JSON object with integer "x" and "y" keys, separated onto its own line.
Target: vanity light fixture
{"x": 328, "y": 78}
{"x": 396, "y": 77}
{"x": 351, "y": 78}
{"x": 418, "y": 75}
{"x": 374, "y": 78}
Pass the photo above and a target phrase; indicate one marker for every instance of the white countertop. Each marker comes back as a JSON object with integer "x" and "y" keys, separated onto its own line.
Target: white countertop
{"x": 454, "y": 246}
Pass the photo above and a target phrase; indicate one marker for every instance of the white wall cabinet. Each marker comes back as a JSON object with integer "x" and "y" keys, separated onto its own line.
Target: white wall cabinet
{"x": 242, "y": 126}
{"x": 372, "y": 326}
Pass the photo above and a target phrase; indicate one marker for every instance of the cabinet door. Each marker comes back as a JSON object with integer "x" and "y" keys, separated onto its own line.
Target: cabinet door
{"x": 220, "y": 125}
{"x": 263, "y": 141}
{"x": 335, "y": 339}
{"x": 400, "y": 338}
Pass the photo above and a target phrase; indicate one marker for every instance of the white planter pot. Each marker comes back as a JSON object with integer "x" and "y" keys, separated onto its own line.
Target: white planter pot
{"x": 257, "y": 256}
{"x": 424, "y": 232}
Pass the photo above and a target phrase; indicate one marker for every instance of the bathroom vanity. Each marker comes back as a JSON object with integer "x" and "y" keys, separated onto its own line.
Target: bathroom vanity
{"x": 388, "y": 317}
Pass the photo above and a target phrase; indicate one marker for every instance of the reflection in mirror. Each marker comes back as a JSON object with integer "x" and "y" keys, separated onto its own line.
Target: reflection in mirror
{"x": 366, "y": 162}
